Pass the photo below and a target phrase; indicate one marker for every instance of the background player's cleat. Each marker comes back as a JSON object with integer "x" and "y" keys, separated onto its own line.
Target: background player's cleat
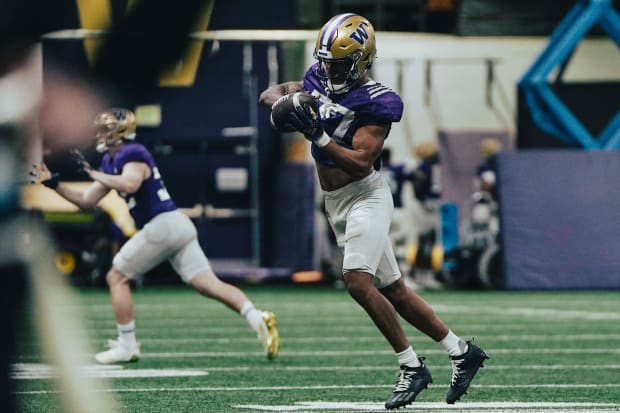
{"x": 269, "y": 336}
{"x": 464, "y": 368}
{"x": 411, "y": 381}
{"x": 117, "y": 354}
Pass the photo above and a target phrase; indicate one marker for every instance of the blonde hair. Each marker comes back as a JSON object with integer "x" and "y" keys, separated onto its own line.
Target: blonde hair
{"x": 490, "y": 146}
{"x": 426, "y": 149}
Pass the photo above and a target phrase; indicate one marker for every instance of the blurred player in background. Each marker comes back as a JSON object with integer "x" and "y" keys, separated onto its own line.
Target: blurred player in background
{"x": 485, "y": 179}
{"x": 426, "y": 179}
{"x": 164, "y": 234}
{"x": 397, "y": 176}
{"x": 484, "y": 218}
{"x": 347, "y": 137}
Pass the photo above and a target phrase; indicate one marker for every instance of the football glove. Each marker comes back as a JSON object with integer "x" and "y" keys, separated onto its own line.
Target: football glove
{"x": 53, "y": 181}
{"x": 41, "y": 175}
{"x": 307, "y": 121}
{"x": 78, "y": 157}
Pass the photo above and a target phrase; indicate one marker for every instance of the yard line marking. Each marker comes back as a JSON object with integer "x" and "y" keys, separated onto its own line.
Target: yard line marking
{"x": 466, "y": 406}
{"x": 524, "y": 311}
{"x": 34, "y": 371}
{"x": 156, "y": 326}
{"x": 441, "y": 367}
{"x": 329, "y": 387}
{"x": 21, "y": 371}
{"x": 339, "y": 353}
{"x": 377, "y": 338}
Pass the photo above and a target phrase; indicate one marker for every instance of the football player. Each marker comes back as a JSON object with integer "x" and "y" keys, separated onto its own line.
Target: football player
{"x": 164, "y": 233}
{"x": 397, "y": 176}
{"x": 355, "y": 115}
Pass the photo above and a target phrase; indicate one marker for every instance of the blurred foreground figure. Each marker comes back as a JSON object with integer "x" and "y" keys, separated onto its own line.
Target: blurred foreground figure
{"x": 27, "y": 252}
{"x": 62, "y": 115}
{"x": 164, "y": 234}
{"x": 355, "y": 116}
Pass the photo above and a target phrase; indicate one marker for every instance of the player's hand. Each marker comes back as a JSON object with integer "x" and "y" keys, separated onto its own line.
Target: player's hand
{"x": 307, "y": 121}
{"x": 41, "y": 175}
{"x": 78, "y": 157}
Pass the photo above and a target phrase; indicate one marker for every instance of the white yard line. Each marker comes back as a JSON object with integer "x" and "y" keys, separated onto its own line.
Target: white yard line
{"x": 33, "y": 371}
{"x": 528, "y": 312}
{"x": 553, "y": 313}
{"x": 434, "y": 367}
{"x": 328, "y": 387}
{"x": 506, "y": 407}
{"x": 341, "y": 353}
{"x": 378, "y": 338}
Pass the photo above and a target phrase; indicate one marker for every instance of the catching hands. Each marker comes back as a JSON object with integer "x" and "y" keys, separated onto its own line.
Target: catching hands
{"x": 41, "y": 175}
{"x": 78, "y": 157}
{"x": 307, "y": 121}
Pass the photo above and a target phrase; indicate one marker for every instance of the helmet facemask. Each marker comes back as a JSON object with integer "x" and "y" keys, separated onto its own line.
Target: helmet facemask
{"x": 339, "y": 75}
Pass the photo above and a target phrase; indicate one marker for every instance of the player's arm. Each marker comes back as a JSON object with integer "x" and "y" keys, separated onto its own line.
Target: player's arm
{"x": 366, "y": 147}
{"x": 274, "y": 92}
{"x": 129, "y": 181}
{"x": 83, "y": 199}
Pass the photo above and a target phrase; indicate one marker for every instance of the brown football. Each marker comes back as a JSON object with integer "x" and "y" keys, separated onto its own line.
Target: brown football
{"x": 288, "y": 103}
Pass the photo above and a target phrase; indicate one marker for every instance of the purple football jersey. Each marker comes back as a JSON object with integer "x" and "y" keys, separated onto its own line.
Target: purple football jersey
{"x": 369, "y": 104}
{"x": 152, "y": 197}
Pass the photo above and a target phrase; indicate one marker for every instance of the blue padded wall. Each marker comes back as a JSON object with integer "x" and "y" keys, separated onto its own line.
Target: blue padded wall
{"x": 294, "y": 209}
{"x": 560, "y": 219}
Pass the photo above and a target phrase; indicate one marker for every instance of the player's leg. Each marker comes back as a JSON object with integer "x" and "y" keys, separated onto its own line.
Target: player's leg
{"x": 120, "y": 296}
{"x": 125, "y": 348}
{"x": 361, "y": 219}
{"x": 262, "y": 322}
{"x": 466, "y": 357}
{"x": 413, "y": 375}
{"x": 360, "y": 215}
{"x": 415, "y": 310}
{"x": 147, "y": 248}
{"x": 193, "y": 266}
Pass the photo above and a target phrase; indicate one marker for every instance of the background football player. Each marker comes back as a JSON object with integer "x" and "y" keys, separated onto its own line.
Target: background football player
{"x": 164, "y": 234}
{"x": 347, "y": 138}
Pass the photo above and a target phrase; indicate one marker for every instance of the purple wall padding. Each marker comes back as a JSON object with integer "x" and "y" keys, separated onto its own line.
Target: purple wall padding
{"x": 295, "y": 207}
{"x": 459, "y": 154}
{"x": 560, "y": 219}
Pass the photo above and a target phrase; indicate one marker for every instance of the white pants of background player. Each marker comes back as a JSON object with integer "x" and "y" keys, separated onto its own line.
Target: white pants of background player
{"x": 168, "y": 236}
{"x": 360, "y": 215}
{"x": 172, "y": 236}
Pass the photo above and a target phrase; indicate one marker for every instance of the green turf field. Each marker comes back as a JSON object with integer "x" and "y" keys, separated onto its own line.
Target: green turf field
{"x": 550, "y": 352}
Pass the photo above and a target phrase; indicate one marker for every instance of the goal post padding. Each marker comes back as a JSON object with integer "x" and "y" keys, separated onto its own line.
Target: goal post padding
{"x": 560, "y": 219}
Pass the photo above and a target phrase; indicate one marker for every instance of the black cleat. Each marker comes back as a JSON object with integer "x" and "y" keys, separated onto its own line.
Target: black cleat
{"x": 464, "y": 368}
{"x": 411, "y": 381}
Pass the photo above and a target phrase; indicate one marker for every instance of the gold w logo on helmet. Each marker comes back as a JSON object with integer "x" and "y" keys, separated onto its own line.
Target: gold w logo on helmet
{"x": 360, "y": 34}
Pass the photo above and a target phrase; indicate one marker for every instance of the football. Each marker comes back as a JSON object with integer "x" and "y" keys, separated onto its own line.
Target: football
{"x": 287, "y": 104}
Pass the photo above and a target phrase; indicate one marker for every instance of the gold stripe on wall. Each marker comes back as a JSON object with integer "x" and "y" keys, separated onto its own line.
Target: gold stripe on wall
{"x": 96, "y": 15}
{"x": 184, "y": 72}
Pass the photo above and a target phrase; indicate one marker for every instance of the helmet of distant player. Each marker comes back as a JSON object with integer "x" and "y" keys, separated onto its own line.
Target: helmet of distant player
{"x": 113, "y": 126}
{"x": 345, "y": 49}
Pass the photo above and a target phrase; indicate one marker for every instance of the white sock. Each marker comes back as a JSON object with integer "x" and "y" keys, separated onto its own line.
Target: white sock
{"x": 253, "y": 316}
{"x": 127, "y": 334}
{"x": 408, "y": 358}
{"x": 454, "y": 345}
